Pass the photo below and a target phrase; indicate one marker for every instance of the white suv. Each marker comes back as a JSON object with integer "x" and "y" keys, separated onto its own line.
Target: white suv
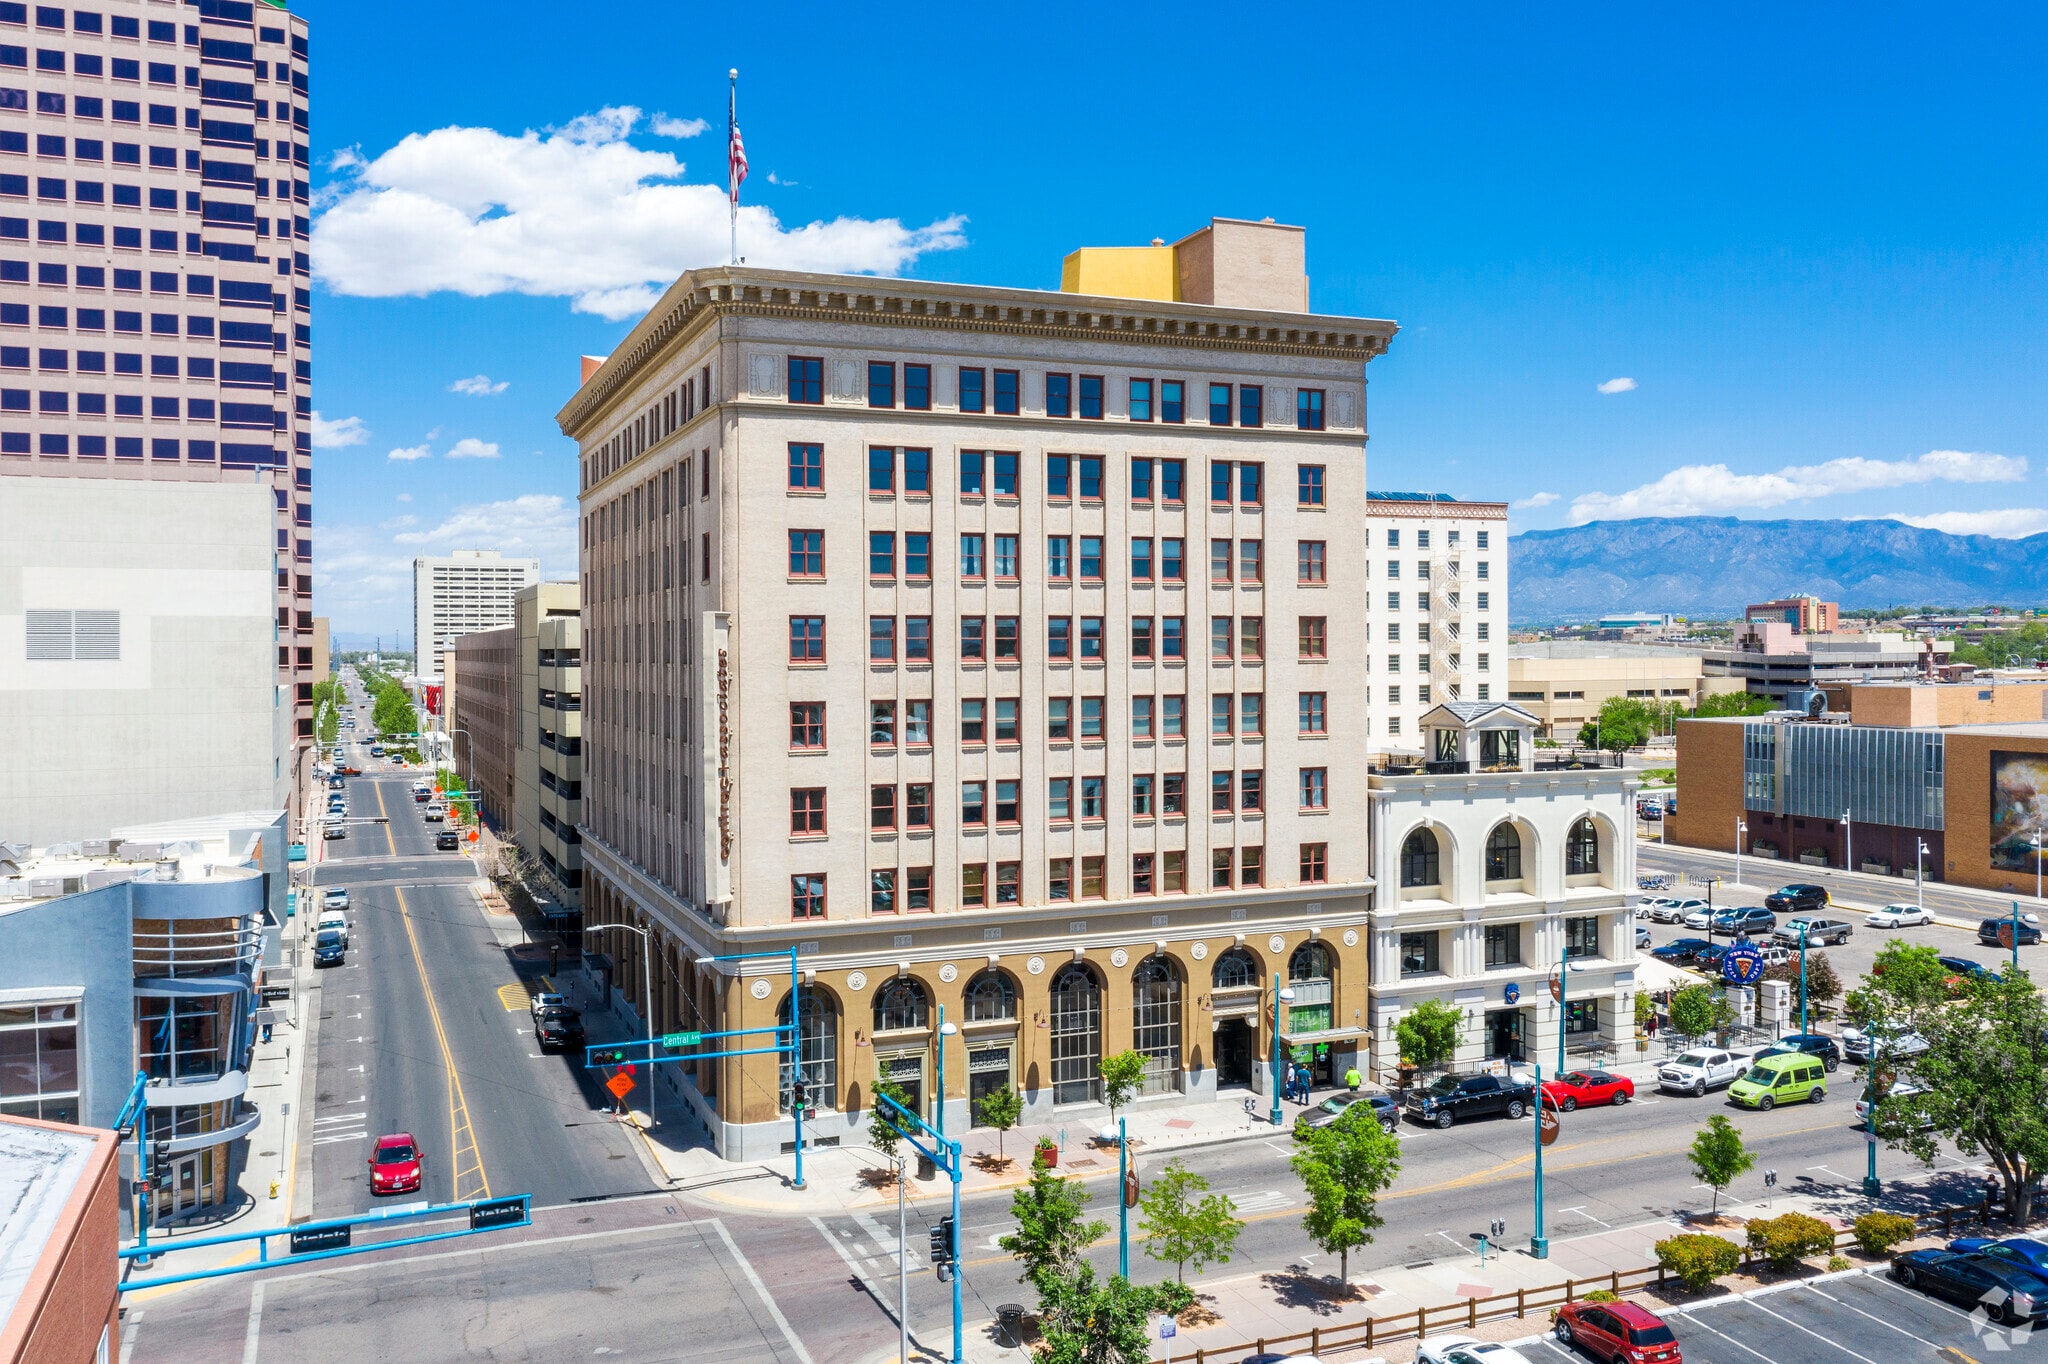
{"x": 1673, "y": 911}
{"x": 1697, "y": 1071}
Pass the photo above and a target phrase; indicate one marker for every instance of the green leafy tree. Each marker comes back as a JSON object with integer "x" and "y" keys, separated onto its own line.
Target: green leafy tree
{"x": 1733, "y": 703}
{"x": 881, "y": 1135}
{"x": 1692, "y": 1011}
{"x": 1344, "y": 1166}
{"x": 1180, "y": 1227}
{"x": 1906, "y": 984}
{"x": 1086, "y": 1320}
{"x": 1002, "y": 1110}
{"x": 1983, "y": 1087}
{"x": 1121, "y": 1075}
{"x": 1428, "y": 1033}
{"x": 1053, "y": 1233}
{"x": 1823, "y": 986}
{"x": 1625, "y": 722}
{"x": 1718, "y": 1156}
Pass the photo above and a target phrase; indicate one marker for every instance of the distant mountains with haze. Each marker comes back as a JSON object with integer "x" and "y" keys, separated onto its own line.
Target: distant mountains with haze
{"x": 1713, "y": 566}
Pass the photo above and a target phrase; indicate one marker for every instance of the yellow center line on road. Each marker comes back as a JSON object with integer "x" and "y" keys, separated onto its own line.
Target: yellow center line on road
{"x": 458, "y": 1104}
{"x": 389, "y": 844}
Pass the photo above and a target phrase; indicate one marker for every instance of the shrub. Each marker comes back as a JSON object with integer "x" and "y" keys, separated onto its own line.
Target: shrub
{"x": 1602, "y": 1295}
{"x": 1785, "y": 1240}
{"x": 1878, "y": 1232}
{"x": 1837, "y": 1263}
{"x": 1172, "y": 1298}
{"x": 1698, "y": 1258}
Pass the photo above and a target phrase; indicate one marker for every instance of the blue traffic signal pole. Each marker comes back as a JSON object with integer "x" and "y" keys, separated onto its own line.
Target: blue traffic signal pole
{"x": 1276, "y": 1054}
{"x": 1539, "y": 1244}
{"x": 2016, "y": 929}
{"x": 946, "y": 1155}
{"x": 1802, "y": 977}
{"x": 1123, "y": 1202}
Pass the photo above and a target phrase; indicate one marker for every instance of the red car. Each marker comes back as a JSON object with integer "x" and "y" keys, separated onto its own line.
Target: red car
{"x": 1620, "y": 1332}
{"x": 395, "y": 1165}
{"x": 1577, "y": 1088}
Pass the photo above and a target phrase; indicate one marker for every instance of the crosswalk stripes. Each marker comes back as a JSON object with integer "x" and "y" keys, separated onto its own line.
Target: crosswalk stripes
{"x": 340, "y": 1127}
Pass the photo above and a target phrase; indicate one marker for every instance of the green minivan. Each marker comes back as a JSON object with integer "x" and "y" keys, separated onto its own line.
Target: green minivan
{"x": 1781, "y": 1079}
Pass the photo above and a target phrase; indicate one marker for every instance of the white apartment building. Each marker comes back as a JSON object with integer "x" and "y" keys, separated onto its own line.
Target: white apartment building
{"x": 1436, "y": 610}
{"x": 993, "y": 650}
{"x": 458, "y": 594}
{"x": 138, "y": 631}
{"x": 1495, "y": 877}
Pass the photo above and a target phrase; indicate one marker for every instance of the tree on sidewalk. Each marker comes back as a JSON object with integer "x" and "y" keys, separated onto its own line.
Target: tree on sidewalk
{"x": 1982, "y": 1086}
{"x": 1718, "y": 1156}
{"x": 1692, "y": 1011}
{"x": 1001, "y": 1110}
{"x": 881, "y": 1135}
{"x": 1053, "y": 1234}
{"x": 1180, "y": 1228}
{"x": 1121, "y": 1075}
{"x": 1428, "y": 1033}
{"x": 1085, "y": 1320}
{"x": 1344, "y": 1166}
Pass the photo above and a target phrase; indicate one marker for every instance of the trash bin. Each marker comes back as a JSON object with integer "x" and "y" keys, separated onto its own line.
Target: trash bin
{"x": 925, "y": 1169}
{"x": 1010, "y": 1316}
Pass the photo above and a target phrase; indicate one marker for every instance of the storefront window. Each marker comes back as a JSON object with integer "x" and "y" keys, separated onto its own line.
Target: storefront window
{"x": 819, "y": 1045}
{"x": 39, "y": 1061}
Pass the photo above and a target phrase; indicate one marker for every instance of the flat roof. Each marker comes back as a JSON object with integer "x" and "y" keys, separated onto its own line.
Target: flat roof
{"x": 39, "y": 1167}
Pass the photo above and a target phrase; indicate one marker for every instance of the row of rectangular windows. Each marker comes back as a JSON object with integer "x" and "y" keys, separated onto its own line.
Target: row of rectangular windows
{"x": 232, "y": 454}
{"x": 213, "y": 132}
{"x": 50, "y": 403}
{"x": 51, "y": 146}
{"x": 998, "y": 472}
{"x": 1000, "y": 802}
{"x": 1240, "y": 404}
{"x": 1001, "y": 719}
{"x": 51, "y": 17}
{"x": 232, "y": 374}
{"x": 53, "y": 190}
{"x": 1451, "y": 539}
{"x": 1422, "y": 631}
{"x": 231, "y": 94}
{"x": 1062, "y": 640}
{"x": 1005, "y": 562}
{"x": 1163, "y": 873}
{"x": 57, "y": 233}
{"x": 1422, "y": 604}
{"x": 1422, "y": 698}
{"x": 233, "y": 293}
{"x": 1422, "y": 569}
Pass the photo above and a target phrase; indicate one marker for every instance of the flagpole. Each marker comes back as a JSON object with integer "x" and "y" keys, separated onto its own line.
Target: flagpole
{"x": 732, "y": 123}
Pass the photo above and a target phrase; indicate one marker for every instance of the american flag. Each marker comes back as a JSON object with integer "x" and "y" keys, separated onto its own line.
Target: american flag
{"x": 736, "y": 162}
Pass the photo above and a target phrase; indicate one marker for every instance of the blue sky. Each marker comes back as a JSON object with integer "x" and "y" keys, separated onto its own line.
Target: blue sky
{"x": 1812, "y": 237}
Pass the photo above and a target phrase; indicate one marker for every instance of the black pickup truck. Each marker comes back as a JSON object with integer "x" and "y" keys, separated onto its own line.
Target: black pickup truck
{"x": 1452, "y": 1097}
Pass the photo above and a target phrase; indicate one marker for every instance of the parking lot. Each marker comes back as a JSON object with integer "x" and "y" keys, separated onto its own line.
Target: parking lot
{"x": 1858, "y": 1317}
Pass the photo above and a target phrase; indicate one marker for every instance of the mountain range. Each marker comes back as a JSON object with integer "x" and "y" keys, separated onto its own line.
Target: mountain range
{"x": 1712, "y": 566}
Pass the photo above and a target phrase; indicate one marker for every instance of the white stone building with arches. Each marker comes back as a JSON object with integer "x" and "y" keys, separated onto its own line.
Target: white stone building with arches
{"x": 1494, "y": 877}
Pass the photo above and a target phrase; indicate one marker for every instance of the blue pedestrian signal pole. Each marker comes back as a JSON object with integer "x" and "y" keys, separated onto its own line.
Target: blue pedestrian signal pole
{"x": 1123, "y": 1200}
{"x": 1539, "y": 1244}
{"x": 1279, "y": 995}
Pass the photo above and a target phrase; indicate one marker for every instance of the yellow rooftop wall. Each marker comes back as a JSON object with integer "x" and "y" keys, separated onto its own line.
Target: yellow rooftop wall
{"x": 1122, "y": 272}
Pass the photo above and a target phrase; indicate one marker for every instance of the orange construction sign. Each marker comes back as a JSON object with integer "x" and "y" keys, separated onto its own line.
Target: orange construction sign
{"x": 619, "y": 1085}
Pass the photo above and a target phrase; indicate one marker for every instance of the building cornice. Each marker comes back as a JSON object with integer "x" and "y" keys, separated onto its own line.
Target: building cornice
{"x": 702, "y": 297}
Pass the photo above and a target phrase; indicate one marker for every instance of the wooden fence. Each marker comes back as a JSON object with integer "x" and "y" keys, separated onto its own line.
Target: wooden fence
{"x": 1467, "y": 1314}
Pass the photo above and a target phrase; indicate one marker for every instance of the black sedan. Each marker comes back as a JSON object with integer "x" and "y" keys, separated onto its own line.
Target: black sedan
{"x": 2010, "y": 1293}
{"x": 1806, "y": 1043}
{"x": 1337, "y": 1105}
{"x": 1799, "y": 899}
{"x": 1690, "y": 952}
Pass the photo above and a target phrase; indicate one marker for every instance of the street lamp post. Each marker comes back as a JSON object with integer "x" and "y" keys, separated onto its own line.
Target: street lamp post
{"x": 1539, "y": 1244}
{"x": 646, "y": 1000}
{"x": 1919, "y": 877}
{"x": 1802, "y": 977}
{"x": 1740, "y": 830}
{"x": 1280, "y": 997}
{"x": 946, "y": 1030}
{"x": 1848, "y": 853}
{"x": 2036, "y": 841}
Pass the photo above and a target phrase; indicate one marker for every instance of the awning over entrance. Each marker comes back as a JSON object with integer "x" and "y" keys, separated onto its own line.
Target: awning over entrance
{"x": 1652, "y": 974}
{"x": 1327, "y": 1035}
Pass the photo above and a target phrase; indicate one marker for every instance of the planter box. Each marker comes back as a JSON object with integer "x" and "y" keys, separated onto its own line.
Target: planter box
{"x": 1814, "y": 859}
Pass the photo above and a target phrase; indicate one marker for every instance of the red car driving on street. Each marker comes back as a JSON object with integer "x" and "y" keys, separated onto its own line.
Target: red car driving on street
{"x": 1580, "y": 1088}
{"x": 395, "y": 1165}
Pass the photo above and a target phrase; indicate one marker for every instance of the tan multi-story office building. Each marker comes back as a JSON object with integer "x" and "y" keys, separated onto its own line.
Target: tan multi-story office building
{"x": 1436, "y": 609}
{"x": 1563, "y": 683}
{"x": 483, "y": 716}
{"x": 996, "y": 652}
{"x": 547, "y": 751}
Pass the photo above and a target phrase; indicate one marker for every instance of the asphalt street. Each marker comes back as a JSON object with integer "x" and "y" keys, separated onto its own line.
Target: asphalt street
{"x": 425, "y": 1029}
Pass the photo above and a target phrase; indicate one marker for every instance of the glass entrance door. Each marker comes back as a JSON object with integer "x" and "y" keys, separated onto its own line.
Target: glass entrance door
{"x": 189, "y": 1187}
{"x": 1504, "y": 1034}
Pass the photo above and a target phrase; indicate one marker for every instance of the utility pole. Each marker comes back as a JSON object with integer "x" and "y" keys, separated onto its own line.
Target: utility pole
{"x": 902, "y": 1266}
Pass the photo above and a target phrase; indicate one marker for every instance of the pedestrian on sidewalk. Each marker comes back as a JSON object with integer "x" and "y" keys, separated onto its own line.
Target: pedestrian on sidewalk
{"x": 1352, "y": 1079}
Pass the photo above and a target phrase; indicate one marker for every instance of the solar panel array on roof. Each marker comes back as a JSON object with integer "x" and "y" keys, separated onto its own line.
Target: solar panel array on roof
{"x": 1408, "y": 497}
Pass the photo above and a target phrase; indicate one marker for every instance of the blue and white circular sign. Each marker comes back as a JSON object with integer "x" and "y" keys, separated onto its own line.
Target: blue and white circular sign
{"x": 1511, "y": 992}
{"x": 1743, "y": 964}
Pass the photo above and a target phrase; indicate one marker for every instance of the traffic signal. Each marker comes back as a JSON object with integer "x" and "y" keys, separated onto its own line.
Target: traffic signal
{"x": 796, "y": 1097}
{"x": 945, "y": 1250}
{"x": 614, "y": 1057}
{"x": 160, "y": 1162}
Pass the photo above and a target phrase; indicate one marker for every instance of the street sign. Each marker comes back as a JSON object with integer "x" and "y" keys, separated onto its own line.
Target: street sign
{"x": 1557, "y": 984}
{"x": 1743, "y": 964}
{"x": 620, "y": 1085}
{"x": 2005, "y": 933}
{"x": 674, "y": 1040}
{"x": 499, "y": 1212}
{"x": 319, "y": 1238}
{"x": 1547, "y": 1119}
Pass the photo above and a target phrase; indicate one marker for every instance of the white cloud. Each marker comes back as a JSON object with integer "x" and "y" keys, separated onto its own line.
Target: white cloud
{"x": 662, "y": 125}
{"x": 536, "y": 525}
{"x": 1711, "y": 489}
{"x": 2004, "y": 523}
{"x": 405, "y": 497}
{"x": 479, "y": 386}
{"x": 1622, "y": 385}
{"x": 333, "y": 435}
{"x": 1536, "y": 500}
{"x": 469, "y": 447}
{"x": 398, "y": 523}
{"x": 411, "y": 452}
{"x": 775, "y": 179}
{"x": 578, "y": 211}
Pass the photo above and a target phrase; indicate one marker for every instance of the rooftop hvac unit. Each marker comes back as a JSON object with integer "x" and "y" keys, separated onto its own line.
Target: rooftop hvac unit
{"x": 140, "y": 852}
{"x": 1812, "y": 702}
{"x": 45, "y": 888}
{"x": 97, "y": 847}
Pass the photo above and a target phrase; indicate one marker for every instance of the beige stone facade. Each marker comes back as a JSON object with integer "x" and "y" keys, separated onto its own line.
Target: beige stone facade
{"x": 1049, "y": 720}
{"x": 1564, "y": 685}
